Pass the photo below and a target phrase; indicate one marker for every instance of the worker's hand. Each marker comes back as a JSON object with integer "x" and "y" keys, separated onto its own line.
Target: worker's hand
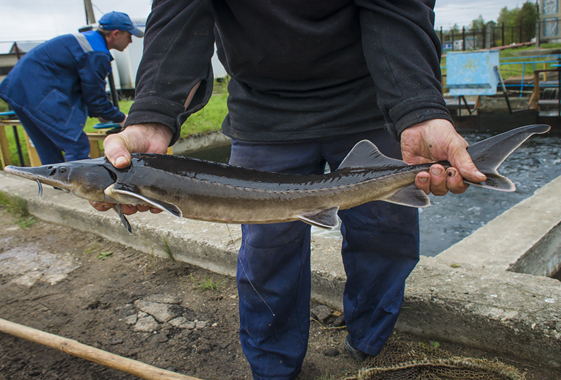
{"x": 437, "y": 140}
{"x": 138, "y": 138}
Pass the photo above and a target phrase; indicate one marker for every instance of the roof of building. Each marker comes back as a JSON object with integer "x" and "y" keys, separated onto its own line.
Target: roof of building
{"x": 22, "y": 46}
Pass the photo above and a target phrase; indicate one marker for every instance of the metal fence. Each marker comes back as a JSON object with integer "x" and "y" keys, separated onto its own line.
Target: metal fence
{"x": 485, "y": 38}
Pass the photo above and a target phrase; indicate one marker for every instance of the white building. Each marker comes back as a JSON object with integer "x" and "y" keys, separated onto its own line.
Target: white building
{"x": 127, "y": 61}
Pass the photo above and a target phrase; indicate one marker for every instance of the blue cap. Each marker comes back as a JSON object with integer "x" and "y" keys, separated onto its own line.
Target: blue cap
{"x": 119, "y": 21}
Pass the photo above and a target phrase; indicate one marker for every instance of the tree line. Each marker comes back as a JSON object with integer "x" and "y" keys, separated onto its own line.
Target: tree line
{"x": 512, "y": 26}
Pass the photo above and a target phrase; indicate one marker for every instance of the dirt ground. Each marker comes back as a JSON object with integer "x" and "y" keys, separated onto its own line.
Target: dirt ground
{"x": 161, "y": 312}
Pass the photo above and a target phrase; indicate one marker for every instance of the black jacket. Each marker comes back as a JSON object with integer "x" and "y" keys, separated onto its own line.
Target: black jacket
{"x": 299, "y": 68}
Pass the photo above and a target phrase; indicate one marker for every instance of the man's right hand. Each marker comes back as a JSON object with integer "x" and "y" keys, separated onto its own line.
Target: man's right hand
{"x": 138, "y": 138}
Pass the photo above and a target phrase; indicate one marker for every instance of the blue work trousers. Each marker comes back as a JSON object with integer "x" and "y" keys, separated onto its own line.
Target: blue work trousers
{"x": 380, "y": 248}
{"x": 50, "y": 146}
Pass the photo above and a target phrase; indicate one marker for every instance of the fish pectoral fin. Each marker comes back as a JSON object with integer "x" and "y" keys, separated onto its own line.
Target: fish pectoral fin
{"x": 410, "y": 196}
{"x": 123, "y": 218}
{"x": 324, "y": 218}
{"x": 164, "y": 206}
{"x": 495, "y": 181}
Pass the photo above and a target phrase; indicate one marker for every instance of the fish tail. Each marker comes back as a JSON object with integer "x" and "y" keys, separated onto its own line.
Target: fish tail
{"x": 489, "y": 154}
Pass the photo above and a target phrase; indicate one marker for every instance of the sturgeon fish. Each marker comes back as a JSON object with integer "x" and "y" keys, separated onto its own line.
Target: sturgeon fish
{"x": 210, "y": 191}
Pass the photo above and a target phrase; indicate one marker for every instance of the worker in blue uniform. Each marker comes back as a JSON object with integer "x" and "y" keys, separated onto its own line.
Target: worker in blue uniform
{"x": 58, "y": 84}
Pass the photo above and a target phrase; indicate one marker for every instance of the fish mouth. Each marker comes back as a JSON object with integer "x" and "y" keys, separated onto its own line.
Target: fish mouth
{"x": 37, "y": 174}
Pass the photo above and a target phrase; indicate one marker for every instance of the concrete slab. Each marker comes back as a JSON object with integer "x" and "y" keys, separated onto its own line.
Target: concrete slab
{"x": 526, "y": 238}
{"x": 512, "y": 313}
{"x": 466, "y": 296}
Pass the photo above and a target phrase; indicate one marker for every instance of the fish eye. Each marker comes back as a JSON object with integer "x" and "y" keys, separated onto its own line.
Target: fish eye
{"x": 62, "y": 170}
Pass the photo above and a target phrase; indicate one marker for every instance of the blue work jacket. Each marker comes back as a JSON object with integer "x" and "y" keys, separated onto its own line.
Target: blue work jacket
{"x": 62, "y": 81}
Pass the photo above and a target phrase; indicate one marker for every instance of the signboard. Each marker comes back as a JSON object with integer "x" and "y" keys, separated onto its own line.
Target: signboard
{"x": 472, "y": 73}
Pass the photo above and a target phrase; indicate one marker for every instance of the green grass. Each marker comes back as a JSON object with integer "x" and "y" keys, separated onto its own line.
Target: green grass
{"x": 102, "y": 255}
{"x": 13, "y": 147}
{"x": 18, "y": 207}
{"x": 208, "y": 119}
{"x": 208, "y": 283}
{"x": 432, "y": 344}
{"x": 168, "y": 249}
{"x": 511, "y": 70}
{"x": 3, "y": 106}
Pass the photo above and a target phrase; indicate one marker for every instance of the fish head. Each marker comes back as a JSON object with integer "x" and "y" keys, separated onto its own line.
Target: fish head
{"x": 85, "y": 178}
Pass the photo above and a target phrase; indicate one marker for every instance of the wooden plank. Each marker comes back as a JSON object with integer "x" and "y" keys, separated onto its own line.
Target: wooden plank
{"x": 34, "y": 159}
{"x": 95, "y": 138}
{"x": 4, "y": 148}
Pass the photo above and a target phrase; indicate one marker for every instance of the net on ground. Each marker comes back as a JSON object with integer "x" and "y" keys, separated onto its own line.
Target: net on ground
{"x": 405, "y": 360}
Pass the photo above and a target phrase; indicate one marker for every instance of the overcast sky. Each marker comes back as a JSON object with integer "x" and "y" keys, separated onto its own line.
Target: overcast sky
{"x": 22, "y": 20}
{"x": 463, "y": 12}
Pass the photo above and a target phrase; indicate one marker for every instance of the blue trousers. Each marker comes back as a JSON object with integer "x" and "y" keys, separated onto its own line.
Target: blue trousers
{"x": 50, "y": 145}
{"x": 380, "y": 248}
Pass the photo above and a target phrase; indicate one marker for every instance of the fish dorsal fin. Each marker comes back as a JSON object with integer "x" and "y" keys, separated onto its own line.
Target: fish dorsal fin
{"x": 488, "y": 154}
{"x": 324, "y": 218}
{"x": 409, "y": 196}
{"x": 367, "y": 155}
{"x": 132, "y": 191}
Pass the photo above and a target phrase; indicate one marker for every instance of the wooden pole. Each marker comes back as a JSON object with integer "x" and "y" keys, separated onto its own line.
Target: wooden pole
{"x": 5, "y": 158}
{"x": 534, "y": 101}
{"x": 90, "y": 16}
{"x": 92, "y": 354}
{"x": 503, "y": 42}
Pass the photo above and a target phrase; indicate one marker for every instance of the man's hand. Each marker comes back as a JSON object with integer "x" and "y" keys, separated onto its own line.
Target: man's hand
{"x": 140, "y": 138}
{"x": 437, "y": 140}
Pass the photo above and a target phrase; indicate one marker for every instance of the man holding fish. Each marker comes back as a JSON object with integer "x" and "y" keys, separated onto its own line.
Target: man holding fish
{"x": 308, "y": 81}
